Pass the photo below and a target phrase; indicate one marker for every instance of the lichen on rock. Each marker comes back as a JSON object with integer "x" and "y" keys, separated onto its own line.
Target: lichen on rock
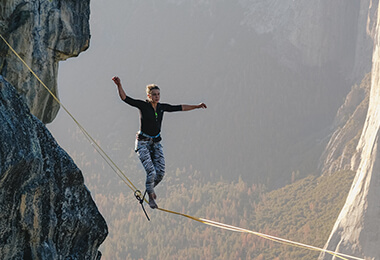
{"x": 43, "y": 33}
{"x": 46, "y": 211}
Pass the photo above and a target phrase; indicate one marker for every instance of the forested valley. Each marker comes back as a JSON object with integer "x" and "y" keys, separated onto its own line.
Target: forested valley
{"x": 303, "y": 211}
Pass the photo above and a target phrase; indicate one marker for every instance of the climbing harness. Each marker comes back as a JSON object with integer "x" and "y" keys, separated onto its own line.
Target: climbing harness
{"x": 148, "y": 136}
{"x": 141, "y": 200}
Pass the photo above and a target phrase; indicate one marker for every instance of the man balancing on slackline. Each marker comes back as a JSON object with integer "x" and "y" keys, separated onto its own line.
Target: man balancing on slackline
{"x": 148, "y": 139}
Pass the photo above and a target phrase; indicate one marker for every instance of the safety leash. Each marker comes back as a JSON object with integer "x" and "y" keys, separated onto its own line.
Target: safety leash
{"x": 141, "y": 201}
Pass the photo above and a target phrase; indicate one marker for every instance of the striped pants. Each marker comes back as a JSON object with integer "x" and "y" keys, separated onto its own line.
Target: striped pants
{"x": 152, "y": 158}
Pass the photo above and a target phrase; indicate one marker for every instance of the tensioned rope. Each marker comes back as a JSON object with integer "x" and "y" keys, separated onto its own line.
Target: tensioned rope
{"x": 128, "y": 182}
{"x": 97, "y": 147}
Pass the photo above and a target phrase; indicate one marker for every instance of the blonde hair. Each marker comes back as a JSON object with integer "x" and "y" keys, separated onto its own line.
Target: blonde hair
{"x": 150, "y": 87}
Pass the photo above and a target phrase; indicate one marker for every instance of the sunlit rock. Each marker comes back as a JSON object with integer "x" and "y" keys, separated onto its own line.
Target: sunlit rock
{"x": 356, "y": 231}
{"x": 43, "y": 33}
{"x": 340, "y": 153}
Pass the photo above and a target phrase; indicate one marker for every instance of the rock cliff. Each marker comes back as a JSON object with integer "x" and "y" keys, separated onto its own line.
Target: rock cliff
{"x": 320, "y": 34}
{"x": 343, "y": 36}
{"x": 46, "y": 210}
{"x": 356, "y": 231}
{"x": 340, "y": 152}
{"x": 43, "y": 32}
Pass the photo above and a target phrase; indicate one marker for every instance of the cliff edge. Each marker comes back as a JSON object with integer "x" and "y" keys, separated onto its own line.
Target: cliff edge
{"x": 46, "y": 210}
{"x": 43, "y": 33}
{"x": 356, "y": 231}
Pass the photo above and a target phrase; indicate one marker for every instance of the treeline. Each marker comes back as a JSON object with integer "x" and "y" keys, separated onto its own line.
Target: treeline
{"x": 304, "y": 211}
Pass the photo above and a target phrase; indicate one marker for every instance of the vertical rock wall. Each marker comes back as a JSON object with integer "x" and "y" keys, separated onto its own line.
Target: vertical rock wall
{"x": 43, "y": 32}
{"x": 356, "y": 231}
{"x": 322, "y": 34}
{"x": 46, "y": 212}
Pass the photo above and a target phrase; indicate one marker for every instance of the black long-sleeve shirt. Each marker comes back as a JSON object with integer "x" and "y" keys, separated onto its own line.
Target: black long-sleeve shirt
{"x": 150, "y": 120}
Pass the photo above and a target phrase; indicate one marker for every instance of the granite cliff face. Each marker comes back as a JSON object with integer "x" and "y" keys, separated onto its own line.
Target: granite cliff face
{"x": 340, "y": 152}
{"x": 319, "y": 34}
{"x": 46, "y": 210}
{"x": 341, "y": 36}
{"x": 356, "y": 231}
{"x": 43, "y": 32}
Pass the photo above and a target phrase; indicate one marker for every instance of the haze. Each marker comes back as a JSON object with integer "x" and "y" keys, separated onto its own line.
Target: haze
{"x": 260, "y": 108}
{"x": 269, "y": 108}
